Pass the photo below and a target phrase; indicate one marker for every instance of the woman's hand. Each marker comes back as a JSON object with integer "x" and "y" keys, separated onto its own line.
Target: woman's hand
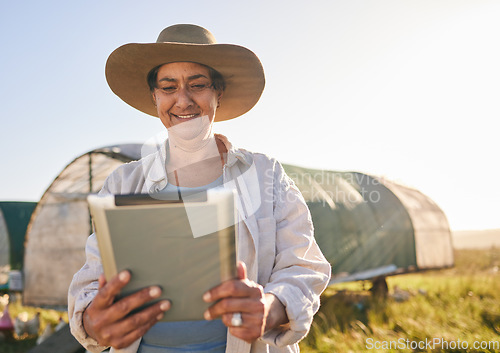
{"x": 259, "y": 311}
{"x": 107, "y": 322}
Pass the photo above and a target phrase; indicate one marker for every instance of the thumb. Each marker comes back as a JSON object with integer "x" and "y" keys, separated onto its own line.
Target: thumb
{"x": 242, "y": 270}
{"x": 102, "y": 281}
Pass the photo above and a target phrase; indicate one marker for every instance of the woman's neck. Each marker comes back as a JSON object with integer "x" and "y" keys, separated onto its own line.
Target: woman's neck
{"x": 196, "y": 168}
{"x": 190, "y": 142}
{"x": 195, "y": 157}
{"x": 182, "y": 153}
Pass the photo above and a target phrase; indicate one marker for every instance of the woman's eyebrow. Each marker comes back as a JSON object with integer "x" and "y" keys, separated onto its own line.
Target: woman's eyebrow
{"x": 194, "y": 77}
{"x": 168, "y": 79}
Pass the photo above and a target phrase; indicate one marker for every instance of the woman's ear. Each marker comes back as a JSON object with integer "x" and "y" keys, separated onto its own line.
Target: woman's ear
{"x": 153, "y": 98}
{"x": 219, "y": 96}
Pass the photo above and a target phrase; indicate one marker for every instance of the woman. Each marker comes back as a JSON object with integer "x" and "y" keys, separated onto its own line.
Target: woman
{"x": 189, "y": 81}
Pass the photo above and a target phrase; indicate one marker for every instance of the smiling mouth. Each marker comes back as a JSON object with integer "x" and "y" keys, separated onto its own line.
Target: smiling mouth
{"x": 185, "y": 117}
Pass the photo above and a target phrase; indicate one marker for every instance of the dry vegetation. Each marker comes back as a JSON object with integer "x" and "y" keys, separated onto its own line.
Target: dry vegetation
{"x": 11, "y": 342}
{"x": 460, "y": 305}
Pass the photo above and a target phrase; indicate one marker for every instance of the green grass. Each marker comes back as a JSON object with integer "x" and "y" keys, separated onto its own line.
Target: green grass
{"x": 461, "y": 304}
{"x": 14, "y": 344}
{"x": 457, "y": 306}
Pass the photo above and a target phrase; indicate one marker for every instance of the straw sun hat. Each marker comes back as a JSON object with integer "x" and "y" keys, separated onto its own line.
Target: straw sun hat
{"x": 128, "y": 66}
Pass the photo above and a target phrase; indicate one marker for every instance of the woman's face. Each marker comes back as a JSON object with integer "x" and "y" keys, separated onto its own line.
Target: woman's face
{"x": 184, "y": 92}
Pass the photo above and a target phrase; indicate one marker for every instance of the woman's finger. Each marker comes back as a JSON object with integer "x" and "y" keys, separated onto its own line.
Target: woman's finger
{"x": 242, "y": 270}
{"x": 238, "y": 288}
{"x": 247, "y": 319}
{"x": 105, "y": 320}
{"x": 248, "y": 334}
{"x": 102, "y": 281}
{"x": 122, "y": 333}
{"x": 107, "y": 293}
{"x": 234, "y": 288}
{"x": 252, "y": 306}
{"x": 126, "y": 305}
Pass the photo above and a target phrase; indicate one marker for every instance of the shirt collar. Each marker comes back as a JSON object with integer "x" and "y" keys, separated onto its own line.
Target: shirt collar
{"x": 233, "y": 154}
{"x": 158, "y": 172}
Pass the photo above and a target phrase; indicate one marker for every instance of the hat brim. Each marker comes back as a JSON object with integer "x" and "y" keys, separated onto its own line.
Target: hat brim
{"x": 128, "y": 66}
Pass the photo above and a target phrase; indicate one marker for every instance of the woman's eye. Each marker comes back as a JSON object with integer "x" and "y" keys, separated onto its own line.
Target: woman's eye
{"x": 198, "y": 87}
{"x": 169, "y": 89}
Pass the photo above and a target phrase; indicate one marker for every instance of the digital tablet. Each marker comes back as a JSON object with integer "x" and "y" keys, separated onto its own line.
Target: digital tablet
{"x": 184, "y": 243}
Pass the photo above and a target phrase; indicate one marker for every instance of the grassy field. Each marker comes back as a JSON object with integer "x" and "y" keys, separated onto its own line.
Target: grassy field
{"x": 459, "y": 307}
{"x": 15, "y": 344}
{"x": 452, "y": 310}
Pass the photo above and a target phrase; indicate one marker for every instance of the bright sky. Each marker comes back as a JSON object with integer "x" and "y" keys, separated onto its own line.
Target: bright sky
{"x": 404, "y": 89}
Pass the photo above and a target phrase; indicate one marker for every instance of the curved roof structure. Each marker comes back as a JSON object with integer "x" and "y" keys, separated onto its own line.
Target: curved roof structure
{"x": 61, "y": 223}
{"x": 366, "y": 226}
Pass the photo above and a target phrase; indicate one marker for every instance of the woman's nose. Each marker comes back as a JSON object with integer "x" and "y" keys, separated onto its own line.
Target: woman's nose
{"x": 183, "y": 98}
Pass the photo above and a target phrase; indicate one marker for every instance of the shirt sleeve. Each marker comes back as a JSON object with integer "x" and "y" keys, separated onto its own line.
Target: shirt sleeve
{"x": 82, "y": 291}
{"x": 301, "y": 272}
{"x": 84, "y": 287}
{"x": 128, "y": 178}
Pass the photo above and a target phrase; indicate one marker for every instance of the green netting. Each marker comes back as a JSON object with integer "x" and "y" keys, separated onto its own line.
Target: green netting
{"x": 359, "y": 223}
{"x": 16, "y": 216}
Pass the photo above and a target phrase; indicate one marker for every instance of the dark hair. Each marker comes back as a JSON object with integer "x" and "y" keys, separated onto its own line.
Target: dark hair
{"x": 218, "y": 82}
